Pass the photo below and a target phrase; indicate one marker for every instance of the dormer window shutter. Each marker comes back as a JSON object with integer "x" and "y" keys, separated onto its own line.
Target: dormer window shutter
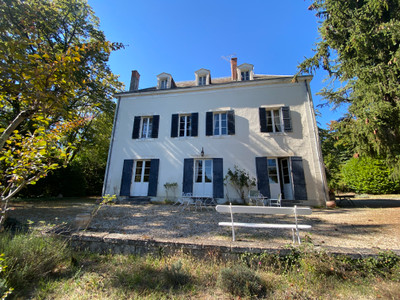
{"x": 287, "y": 122}
{"x": 136, "y": 127}
{"x": 156, "y": 122}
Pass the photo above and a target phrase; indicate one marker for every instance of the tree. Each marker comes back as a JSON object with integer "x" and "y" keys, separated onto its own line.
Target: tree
{"x": 359, "y": 48}
{"x": 54, "y": 80}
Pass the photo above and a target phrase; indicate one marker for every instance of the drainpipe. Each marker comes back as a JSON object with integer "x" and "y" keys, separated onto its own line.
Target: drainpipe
{"x": 111, "y": 147}
{"x": 317, "y": 142}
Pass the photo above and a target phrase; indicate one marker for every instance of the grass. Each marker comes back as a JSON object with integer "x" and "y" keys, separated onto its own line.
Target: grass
{"x": 43, "y": 267}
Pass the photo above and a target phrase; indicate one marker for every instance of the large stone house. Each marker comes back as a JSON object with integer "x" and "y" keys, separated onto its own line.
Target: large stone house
{"x": 192, "y": 132}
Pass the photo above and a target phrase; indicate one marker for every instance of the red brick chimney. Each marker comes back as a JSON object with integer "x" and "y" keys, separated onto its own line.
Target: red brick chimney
{"x": 134, "y": 81}
{"x": 234, "y": 68}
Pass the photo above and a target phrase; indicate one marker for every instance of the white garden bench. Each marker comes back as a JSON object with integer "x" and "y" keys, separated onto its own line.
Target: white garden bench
{"x": 242, "y": 209}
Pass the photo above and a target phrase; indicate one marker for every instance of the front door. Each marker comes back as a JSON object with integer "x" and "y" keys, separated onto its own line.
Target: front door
{"x": 273, "y": 175}
{"x": 203, "y": 178}
{"x": 140, "y": 184}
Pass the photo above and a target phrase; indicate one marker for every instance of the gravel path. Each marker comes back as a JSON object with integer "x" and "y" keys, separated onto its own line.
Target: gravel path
{"x": 375, "y": 228}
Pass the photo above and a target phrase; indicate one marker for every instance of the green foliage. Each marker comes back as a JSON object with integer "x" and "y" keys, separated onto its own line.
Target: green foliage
{"x": 240, "y": 181}
{"x": 54, "y": 81}
{"x": 370, "y": 176}
{"x": 359, "y": 47}
{"x": 30, "y": 257}
{"x": 5, "y": 291}
{"x": 241, "y": 281}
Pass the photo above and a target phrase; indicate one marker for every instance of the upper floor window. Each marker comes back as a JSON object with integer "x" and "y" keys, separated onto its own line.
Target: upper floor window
{"x": 184, "y": 125}
{"x": 145, "y": 127}
{"x": 245, "y": 72}
{"x": 220, "y": 123}
{"x": 275, "y": 119}
{"x": 203, "y": 77}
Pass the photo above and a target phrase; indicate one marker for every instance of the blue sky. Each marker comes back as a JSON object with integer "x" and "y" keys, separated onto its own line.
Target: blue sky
{"x": 182, "y": 36}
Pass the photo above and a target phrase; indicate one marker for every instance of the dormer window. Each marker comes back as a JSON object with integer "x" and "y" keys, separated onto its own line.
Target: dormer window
{"x": 203, "y": 77}
{"x": 245, "y": 72}
{"x": 165, "y": 81}
{"x": 164, "y": 84}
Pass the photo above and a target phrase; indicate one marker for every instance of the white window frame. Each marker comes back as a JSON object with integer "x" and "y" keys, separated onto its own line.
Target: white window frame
{"x": 187, "y": 125}
{"x": 245, "y": 75}
{"x": 220, "y": 122}
{"x": 164, "y": 84}
{"x": 277, "y": 127}
{"x": 202, "y": 80}
{"x": 202, "y": 77}
{"x": 146, "y": 127}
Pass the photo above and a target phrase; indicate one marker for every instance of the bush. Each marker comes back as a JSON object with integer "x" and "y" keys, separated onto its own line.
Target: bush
{"x": 241, "y": 281}
{"x": 175, "y": 276}
{"x": 30, "y": 258}
{"x": 369, "y": 176}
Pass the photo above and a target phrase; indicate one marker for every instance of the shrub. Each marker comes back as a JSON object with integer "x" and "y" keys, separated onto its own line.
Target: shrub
{"x": 240, "y": 181}
{"x": 175, "y": 276}
{"x": 370, "y": 176}
{"x": 241, "y": 281}
{"x": 30, "y": 257}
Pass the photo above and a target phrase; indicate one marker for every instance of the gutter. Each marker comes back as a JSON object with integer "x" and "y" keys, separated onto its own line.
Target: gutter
{"x": 111, "y": 147}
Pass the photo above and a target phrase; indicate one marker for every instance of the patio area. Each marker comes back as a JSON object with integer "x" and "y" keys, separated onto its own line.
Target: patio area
{"x": 370, "y": 225}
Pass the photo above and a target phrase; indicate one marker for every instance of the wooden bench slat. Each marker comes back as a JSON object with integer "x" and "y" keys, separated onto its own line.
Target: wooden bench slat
{"x": 261, "y": 225}
{"x": 263, "y": 210}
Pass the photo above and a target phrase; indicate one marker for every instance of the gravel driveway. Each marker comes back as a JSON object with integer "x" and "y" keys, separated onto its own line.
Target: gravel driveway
{"x": 375, "y": 227}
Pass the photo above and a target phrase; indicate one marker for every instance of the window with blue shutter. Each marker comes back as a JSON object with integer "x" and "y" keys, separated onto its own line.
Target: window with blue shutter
{"x": 299, "y": 182}
{"x": 126, "y": 179}
{"x": 184, "y": 125}
{"x": 145, "y": 127}
{"x": 262, "y": 176}
{"x": 275, "y": 120}
{"x": 153, "y": 179}
{"x": 220, "y": 123}
{"x": 218, "y": 185}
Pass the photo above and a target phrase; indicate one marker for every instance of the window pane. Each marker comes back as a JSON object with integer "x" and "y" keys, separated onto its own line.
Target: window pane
{"x": 216, "y": 124}
{"x": 188, "y": 125}
{"x": 182, "y": 126}
{"x": 138, "y": 172}
{"x": 146, "y": 176}
{"x": 270, "y": 127}
{"x": 224, "y": 124}
{"x": 272, "y": 171}
{"x": 199, "y": 171}
{"x": 208, "y": 171}
{"x": 277, "y": 121}
{"x": 147, "y": 125}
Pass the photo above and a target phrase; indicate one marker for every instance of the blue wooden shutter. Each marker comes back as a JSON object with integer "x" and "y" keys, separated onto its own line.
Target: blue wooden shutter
{"x": 218, "y": 178}
{"x": 187, "y": 186}
{"x": 153, "y": 177}
{"x": 174, "y": 125}
{"x": 136, "y": 127}
{"x": 209, "y": 123}
{"x": 195, "y": 124}
{"x": 126, "y": 179}
{"x": 287, "y": 122}
{"x": 231, "y": 122}
{"x": 262, "y": 176}
{"x": 299, "y": 182}
{"x": 156, "y": 123}
{"x": 263, "y": 119}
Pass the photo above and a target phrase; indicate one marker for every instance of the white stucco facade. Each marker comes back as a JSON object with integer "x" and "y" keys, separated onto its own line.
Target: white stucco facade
{"x": 245, "y": 99}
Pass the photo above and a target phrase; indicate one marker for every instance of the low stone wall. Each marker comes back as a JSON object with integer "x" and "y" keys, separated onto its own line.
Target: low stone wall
{"x": 123, "y": 244}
